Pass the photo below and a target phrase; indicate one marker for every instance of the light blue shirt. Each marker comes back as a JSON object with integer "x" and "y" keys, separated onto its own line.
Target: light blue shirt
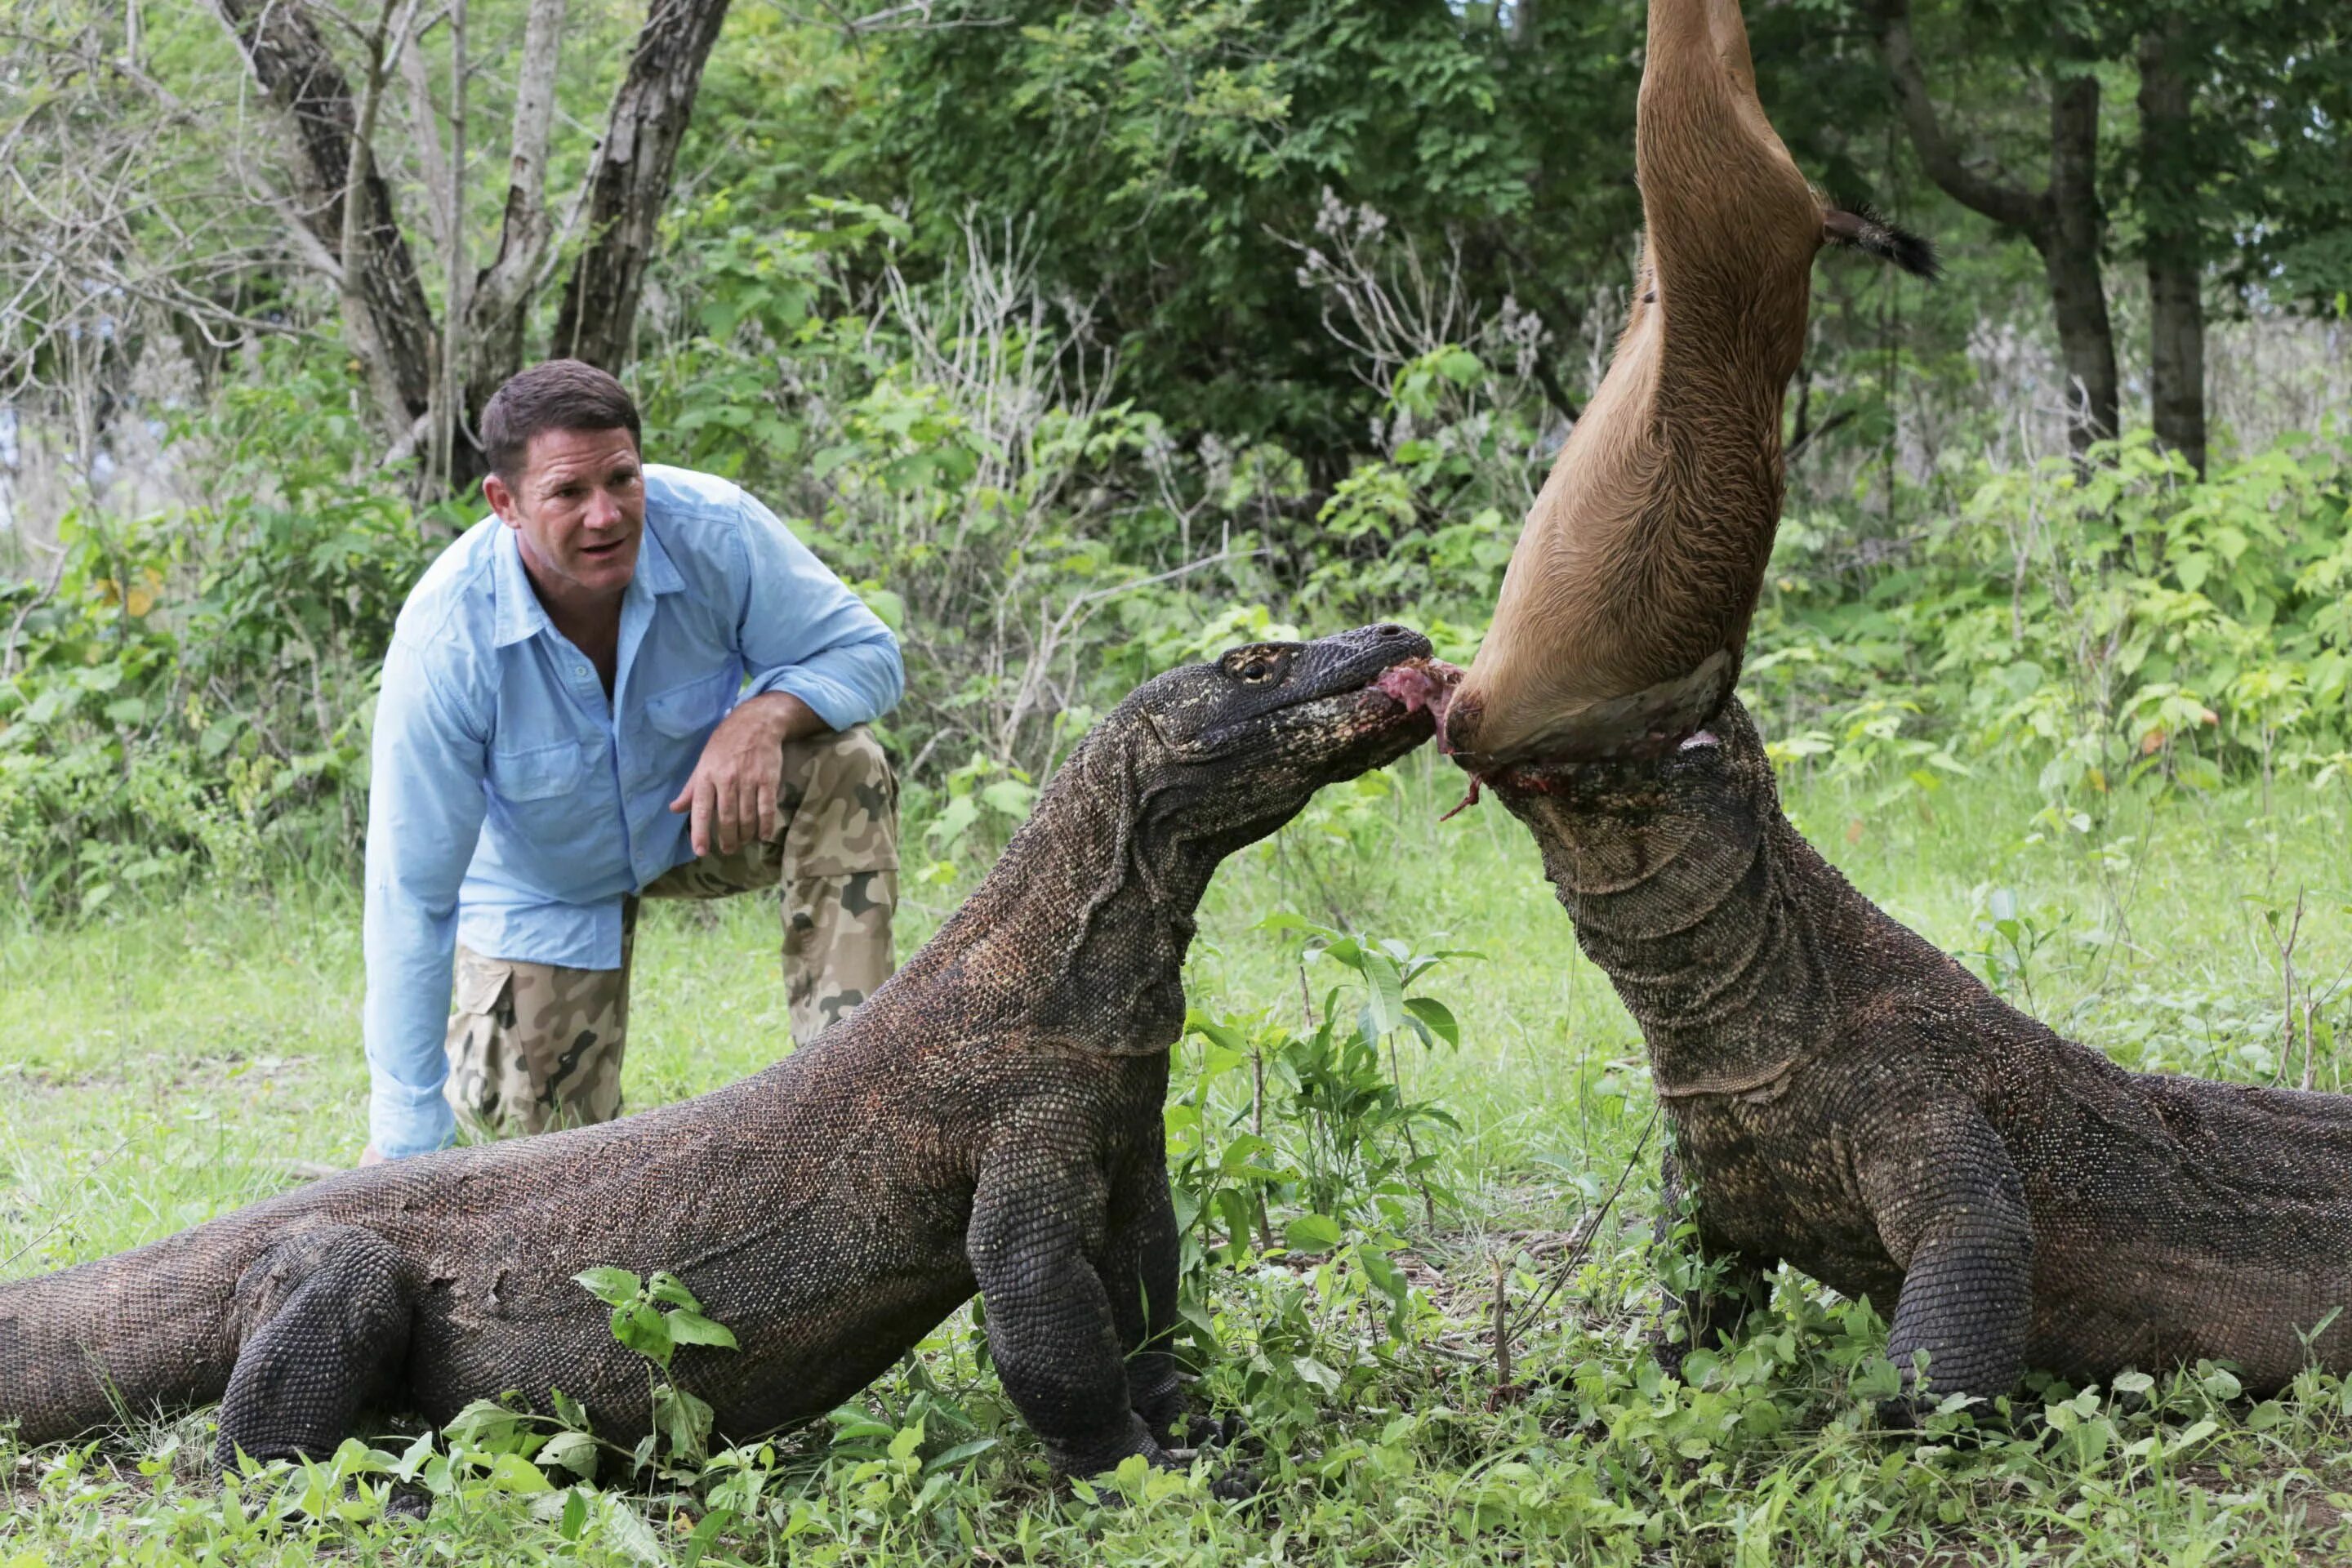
{"x": 513, "y": 807}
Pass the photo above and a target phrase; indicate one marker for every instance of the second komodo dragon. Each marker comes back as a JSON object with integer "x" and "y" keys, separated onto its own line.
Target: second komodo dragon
{"x": 989, "y": 1118}
{"x": 1848, "y": 1099}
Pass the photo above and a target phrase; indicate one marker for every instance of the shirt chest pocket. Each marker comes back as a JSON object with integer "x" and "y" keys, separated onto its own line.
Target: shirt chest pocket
{"x": 694, "y": 707}
{"x": 539, "y": 772}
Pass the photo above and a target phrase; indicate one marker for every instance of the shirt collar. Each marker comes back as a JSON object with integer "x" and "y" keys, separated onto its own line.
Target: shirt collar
{"x": 655, "y": 570}
{"x": 521, "y": 617}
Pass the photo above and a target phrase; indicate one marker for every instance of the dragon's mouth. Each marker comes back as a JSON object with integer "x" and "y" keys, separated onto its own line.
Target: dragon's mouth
{"x": 1410, "y": 693}
{"x": 1399, "y": 698}
{"x": 1425, "y": 683}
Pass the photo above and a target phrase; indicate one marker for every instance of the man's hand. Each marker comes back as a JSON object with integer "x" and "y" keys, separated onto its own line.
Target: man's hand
{"x": 732, "y": 791}
{"x": 368, "y": 1156}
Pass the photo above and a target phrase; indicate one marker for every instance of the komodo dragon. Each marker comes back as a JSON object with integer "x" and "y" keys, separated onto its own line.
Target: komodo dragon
{"x": 1848, "y": 1099}
{"x": 990, "y": 1118}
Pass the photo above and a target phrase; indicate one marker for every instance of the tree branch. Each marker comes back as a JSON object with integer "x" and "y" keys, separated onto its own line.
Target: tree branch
{"x": 424, "y": 126}
{"x": 2005, "y": 204}
{"x": 503, "y": 290}
{"x": 346, "y": 206}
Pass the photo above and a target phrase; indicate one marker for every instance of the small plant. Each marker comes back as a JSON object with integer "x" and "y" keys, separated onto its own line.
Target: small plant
{"x": 1314, "y": 1125}
{"x": 640, "y": 1324}
{"x": 2012, "y": 939}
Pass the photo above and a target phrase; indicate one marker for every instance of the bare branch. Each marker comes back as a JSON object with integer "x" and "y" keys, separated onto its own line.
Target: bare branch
{"x": 344, "y": 201}
{"x": 2019, "y": 208}
{"x": 503, "y": 291}
{"x": 425, "y": 131}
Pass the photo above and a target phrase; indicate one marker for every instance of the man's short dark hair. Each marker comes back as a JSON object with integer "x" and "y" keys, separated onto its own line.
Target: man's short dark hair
{"x": 562, "y": 394}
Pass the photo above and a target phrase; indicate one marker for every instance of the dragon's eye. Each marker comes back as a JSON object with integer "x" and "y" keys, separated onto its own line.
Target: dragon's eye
{"x": 1254, "y": 671}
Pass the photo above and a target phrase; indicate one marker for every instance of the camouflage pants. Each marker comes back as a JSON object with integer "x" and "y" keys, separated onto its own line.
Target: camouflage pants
{"x": 533, "y": 1046}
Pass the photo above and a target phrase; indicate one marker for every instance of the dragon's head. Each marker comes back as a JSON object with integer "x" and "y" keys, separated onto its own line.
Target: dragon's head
{"x": 1610, "y": 826}
{"x": 1091, "y": 906}
{"x": 1226, "y": 752}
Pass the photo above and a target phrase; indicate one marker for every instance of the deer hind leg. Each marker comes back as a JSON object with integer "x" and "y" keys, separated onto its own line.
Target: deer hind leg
{"x": 327, "y": 1318}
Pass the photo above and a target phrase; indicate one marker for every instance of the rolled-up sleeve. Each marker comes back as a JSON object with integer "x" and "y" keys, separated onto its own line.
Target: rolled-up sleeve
{"x": 425, "y": 812}
{"x": 803, "y": 631}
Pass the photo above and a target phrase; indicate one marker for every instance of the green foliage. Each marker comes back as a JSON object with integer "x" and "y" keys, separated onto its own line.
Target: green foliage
{"x": 2130, "y": 624}
{"x": 192, "y": 697}
{"x": 1315, "y": 1129}
{"x": 1170, "y": 156}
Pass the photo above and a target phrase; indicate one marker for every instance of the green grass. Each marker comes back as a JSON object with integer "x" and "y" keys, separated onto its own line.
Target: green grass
{"x": 168, "y": 1064}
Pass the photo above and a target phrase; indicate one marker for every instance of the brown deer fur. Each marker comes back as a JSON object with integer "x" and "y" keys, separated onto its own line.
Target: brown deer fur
{"x": 1627, "y": 600}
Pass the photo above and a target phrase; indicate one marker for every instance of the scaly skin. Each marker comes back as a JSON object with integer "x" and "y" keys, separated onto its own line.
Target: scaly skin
{"x": 988, "y": 1120}
{"x": 1849, "y": 1099}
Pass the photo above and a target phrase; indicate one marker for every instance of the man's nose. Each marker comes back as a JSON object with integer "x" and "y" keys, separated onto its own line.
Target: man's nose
{"x": 603, "y": 511}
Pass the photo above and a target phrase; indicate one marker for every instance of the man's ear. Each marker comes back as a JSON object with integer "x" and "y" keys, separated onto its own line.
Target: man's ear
{"x": 501, "y": 499}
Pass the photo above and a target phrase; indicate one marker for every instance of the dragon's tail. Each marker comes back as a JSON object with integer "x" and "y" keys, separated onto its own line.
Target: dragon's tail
{"x": 119, "y": 1338}
{"x": 1859, "y": 225}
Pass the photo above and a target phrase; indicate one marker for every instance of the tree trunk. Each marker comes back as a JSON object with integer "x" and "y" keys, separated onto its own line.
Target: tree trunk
{"x": 632, "y": 178}
{"x": 393, "y": 334}
{"x": 2175, "y": 250}
{"x": 2069, "y": 243}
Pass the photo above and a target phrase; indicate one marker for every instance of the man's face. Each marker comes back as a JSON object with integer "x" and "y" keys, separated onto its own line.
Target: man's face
{"x": 578, "y": 510}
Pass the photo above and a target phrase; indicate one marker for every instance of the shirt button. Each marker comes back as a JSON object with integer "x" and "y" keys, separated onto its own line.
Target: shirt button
{"x": 578, "y": 672}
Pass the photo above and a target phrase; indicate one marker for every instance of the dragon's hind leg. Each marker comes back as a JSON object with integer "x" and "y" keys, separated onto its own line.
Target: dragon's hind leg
{"x": 327, "y": 1317}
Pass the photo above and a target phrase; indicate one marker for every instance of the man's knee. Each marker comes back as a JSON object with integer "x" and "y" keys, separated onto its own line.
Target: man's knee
{"x": 846, "y": 816}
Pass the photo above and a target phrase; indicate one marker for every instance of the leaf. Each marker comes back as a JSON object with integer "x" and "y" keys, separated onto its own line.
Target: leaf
{"x": 1385, "y": 1275}
{"x": 684, "y": 1419}
{"x": 694, "y": 1329}
{"x": 625, "y": 1528}
{"x": 573, "y": 1451}
{"x": 706, "y": 1531}
{"x": 1316, "y": 1373}
{"x": 1461, "y": 367}
{"x": 957, "y": 1454}
{"x": 513, "y": 1473}
{"x": 1384, "y": 1006}
{"x": 947, "y": 828}
{"x": 575, "y": 1515}
{"x": 1283, "y": 920}
{"x": 1438, "y": 1016}
{"x": 1010, "y": 796}
{"x": 641, "y": 1327}
{"x": 1312, "y": 1232}
{"x": 614, "y": 1287}
{"x": 484, "y": 1423}
{"x": 669, "y": 1289}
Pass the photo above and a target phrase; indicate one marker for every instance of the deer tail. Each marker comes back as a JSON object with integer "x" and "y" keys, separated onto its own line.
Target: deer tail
{"x": 1858, "y": 225}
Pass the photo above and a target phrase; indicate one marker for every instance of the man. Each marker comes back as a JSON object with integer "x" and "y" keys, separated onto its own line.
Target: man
{"x": 631, "y": 681}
